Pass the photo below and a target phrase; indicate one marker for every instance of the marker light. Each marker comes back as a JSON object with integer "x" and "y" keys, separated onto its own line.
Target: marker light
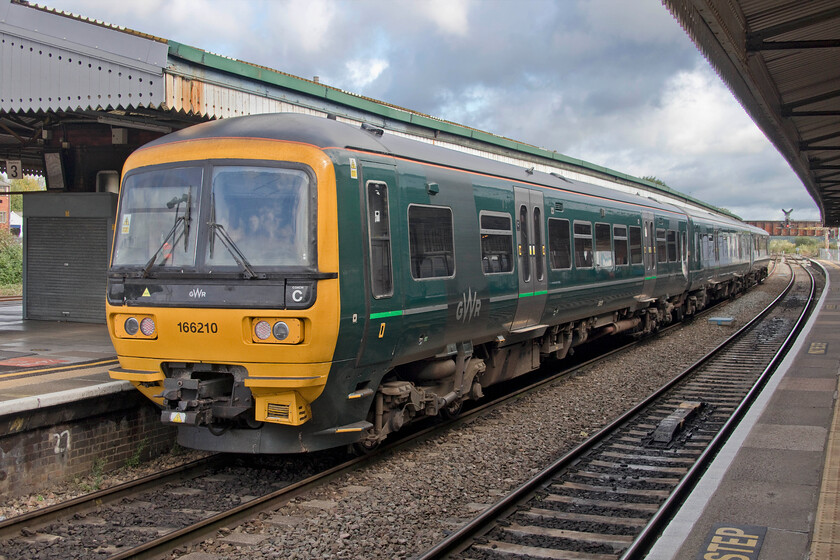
{"x": 131, "y": 326}
{"x": 262, "y": 330}
{"x": 147, "y": 326}
{"x": 280, "y": 330}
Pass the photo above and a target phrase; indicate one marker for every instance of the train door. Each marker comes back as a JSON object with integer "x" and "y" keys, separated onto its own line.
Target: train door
{"x": 383, "y": 302}
{"x": 530, "y": 239}
{"x": 649, "y": 244}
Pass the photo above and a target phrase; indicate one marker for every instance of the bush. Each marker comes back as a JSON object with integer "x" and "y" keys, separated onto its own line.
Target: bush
{"x": 781, "y": 246}
{"x": 11, "y": 259}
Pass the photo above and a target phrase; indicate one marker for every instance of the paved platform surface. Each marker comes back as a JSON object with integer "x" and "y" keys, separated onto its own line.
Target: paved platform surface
{"x": 773, "y": 492}
{"x": 68, "y": 361}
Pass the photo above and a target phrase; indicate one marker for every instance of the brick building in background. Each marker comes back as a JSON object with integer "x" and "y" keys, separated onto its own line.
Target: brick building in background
{"x": 796, "y": 228}
{"x": 5, "y": 205}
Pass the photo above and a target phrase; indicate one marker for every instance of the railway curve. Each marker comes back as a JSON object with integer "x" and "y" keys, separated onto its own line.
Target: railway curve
{"x": 612, "y": 495}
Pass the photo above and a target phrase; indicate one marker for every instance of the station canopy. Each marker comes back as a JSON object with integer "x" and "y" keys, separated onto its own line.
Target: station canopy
{"x": 781, "y": 59}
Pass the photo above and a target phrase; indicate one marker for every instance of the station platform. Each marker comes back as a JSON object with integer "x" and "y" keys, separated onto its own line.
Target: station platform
{"x": 773, "y": 492}
{"x": 45, "y": 363}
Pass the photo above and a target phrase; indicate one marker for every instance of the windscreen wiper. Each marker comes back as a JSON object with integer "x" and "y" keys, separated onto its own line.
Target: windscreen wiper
{"x": 185, "y": 220}
{"x": 237, "y": 255}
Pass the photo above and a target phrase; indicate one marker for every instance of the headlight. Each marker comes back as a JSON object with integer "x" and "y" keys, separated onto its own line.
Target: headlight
{"x": 138, "y": 327}
{"x": 280, "y": 330}
{"x": 131, "y": 326}
{"x": 276, "y": 330}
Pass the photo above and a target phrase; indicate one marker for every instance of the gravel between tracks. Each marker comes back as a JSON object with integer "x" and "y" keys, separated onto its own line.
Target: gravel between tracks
{"x": 408, "y": 500}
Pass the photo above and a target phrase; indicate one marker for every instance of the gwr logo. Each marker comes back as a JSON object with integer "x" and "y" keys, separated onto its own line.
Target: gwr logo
{"x": 468, "y": 307}
{"x": 198, "y": 293}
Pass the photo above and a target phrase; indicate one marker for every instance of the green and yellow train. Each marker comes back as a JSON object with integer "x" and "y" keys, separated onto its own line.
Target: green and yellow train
{"x": 288, "y": 283}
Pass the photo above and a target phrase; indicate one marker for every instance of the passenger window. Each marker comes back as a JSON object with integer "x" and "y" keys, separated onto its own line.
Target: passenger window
{"x": 559, "y": 244}
{"x": 661, "y": 246}
{"x": 496, "y": 243}
{"x": 603, "y": 246}
{"x": 635, "y": 245}
{"x": 379, "y": 229}
{"x": 620, "y": 242}
{"x": 672, "y": 246}
{"x": 583, "y": 245}
{"x": 430, "y": 241}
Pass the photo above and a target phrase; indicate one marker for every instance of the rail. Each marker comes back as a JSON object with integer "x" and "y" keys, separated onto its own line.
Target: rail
{"x": 482, "y": 524}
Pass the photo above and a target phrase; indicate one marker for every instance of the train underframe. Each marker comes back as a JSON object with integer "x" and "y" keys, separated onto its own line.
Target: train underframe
{"x": 214, "y": 399}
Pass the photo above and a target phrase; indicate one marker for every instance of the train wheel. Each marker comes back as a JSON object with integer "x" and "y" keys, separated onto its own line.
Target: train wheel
{"x": 453, "y": 410}
{"x": 365, "y": 447}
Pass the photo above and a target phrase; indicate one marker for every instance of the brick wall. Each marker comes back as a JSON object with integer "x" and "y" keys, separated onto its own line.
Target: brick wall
{"x": 34, "y": 458}
{"x": 5, "y": 207}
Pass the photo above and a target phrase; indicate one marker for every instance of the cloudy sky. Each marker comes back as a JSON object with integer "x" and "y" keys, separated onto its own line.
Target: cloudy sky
{"x": 614, "y": 82}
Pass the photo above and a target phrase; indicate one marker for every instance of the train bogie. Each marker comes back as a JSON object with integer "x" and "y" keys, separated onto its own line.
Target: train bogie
{"x": 324, "y": 285}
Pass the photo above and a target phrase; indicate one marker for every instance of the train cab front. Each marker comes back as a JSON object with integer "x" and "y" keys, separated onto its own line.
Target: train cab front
{"x": 223, "y": 298}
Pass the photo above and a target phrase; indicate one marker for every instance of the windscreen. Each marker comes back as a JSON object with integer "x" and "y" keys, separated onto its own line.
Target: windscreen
{"x": 158, "y": 222}
{"x": 265, "y": 212}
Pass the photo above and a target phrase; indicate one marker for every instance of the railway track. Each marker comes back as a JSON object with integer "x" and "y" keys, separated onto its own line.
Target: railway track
{"x": 152, "y": 516}
{"x": 611, "y": 496}
{"x": 137, "y": 529}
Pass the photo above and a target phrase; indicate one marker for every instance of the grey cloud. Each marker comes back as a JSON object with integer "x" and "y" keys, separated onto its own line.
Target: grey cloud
{"x": 585, "y": 78}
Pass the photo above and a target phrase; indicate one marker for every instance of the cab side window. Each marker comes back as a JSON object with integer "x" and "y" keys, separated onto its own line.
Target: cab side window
{"x": 379, "y": 229}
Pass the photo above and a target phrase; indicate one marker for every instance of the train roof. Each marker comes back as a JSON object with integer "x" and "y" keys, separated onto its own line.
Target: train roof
{"x": 327, "y": 133}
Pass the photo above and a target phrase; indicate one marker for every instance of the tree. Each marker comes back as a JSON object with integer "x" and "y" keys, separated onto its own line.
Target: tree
{"x": 29, "y": 183}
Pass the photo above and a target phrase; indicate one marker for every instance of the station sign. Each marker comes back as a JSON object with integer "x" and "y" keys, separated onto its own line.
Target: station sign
{"x": 14, "y": 170}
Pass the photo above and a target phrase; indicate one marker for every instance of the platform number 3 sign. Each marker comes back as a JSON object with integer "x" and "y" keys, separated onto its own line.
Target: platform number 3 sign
{"x": 13, "y": 169}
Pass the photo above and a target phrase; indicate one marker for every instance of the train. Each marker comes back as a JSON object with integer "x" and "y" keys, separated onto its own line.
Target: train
{"x": 288, "y": 283}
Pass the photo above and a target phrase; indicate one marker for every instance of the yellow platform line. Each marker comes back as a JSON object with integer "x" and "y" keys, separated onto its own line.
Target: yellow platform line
{"x": 825, "y": 542}
{"x": 67, "y": 367}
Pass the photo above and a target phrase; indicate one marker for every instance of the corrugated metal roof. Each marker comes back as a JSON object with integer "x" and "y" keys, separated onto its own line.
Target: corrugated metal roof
{"x": 50, "y": 63}
{"x": 781, "y": 59}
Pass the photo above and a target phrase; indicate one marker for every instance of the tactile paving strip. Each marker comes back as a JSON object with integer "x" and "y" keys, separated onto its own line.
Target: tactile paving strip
{"x": 825, "y": 544}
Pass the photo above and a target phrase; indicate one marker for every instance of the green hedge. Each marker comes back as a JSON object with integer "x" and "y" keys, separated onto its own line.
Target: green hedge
{"x": 11, "y": 259}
